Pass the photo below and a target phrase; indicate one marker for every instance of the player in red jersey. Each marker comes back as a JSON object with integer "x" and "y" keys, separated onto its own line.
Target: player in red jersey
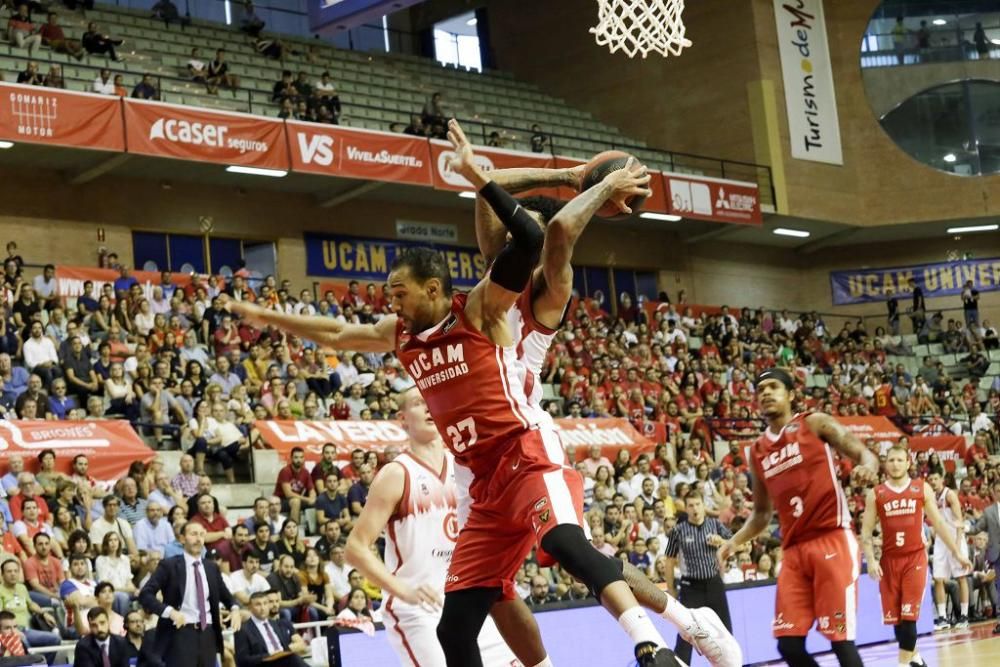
{"x": 795, "y": 473}
{"x": 458, "y": 350}
{"x": 898, "y": 506}
{"x": 534, "y": 321}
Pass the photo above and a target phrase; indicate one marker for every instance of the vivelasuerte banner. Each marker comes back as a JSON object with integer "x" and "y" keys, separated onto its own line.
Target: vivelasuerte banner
{"x": 581, "y": 434}
{"x": 940, "y": 279}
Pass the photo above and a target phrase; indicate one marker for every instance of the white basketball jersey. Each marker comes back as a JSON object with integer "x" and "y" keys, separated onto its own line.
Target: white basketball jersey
{"x": 420, "y": 536}
{"x": 531, "y": 340}
{"x": 945, "y": 507}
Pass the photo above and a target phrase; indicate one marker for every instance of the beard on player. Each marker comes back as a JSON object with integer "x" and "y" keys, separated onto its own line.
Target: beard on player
{"x": 774, "y": 399}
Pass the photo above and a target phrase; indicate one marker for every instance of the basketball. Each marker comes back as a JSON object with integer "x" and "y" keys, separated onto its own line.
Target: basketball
{"x": 600, "y": 166}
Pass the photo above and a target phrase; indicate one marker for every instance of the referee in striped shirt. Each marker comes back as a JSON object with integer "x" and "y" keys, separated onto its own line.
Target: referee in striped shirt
{"x": 696, "y": 539}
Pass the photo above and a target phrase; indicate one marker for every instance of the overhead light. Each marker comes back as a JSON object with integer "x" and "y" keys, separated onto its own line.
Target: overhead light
{"x": 6, "y": 144}
{"x": 471, "y": 21}
{"x": 950, "y": 157}
{"x": 995, "y": 41}
{"x": 467, "y": 194}
{"x": 974, "y": 228}
{"x": 257, "y": 171}
{"x": 939, "y": 22}
{"x": 661, "y": 216}
{"x": 784, "y": 231}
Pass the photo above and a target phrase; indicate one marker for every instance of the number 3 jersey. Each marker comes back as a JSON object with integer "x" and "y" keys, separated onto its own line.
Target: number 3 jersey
{"x": 800, "y": 473}
{"x": 901, "y": 515}
{"x": 474, "y": 389}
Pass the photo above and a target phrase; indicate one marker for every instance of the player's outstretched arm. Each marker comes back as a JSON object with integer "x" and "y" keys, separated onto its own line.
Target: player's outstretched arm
{"x": 325, "y": 331}
{"x": 491, "y": 235}
{"x": 568, "y": 224}
{"x": 759, "y": 519}
{"x": 847, "y": 444}
{"x": 383, "y": 498}
{"x": 942, "y": 529}
{"x": 868, "y": 521}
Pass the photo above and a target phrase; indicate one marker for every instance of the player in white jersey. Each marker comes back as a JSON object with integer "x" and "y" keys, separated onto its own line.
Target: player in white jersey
{"x": 413, "y": 500}
{"x": 946, "y": 566}
{"x": 533, "y": 322}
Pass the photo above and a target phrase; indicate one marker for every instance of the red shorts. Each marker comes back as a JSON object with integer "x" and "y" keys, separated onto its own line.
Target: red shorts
{"x": 529, "y": 493}
{"x": 904, "y": 579}
{"x": 818, "y": 583}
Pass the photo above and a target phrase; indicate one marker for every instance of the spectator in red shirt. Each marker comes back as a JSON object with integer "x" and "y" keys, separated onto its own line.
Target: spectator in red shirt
{"x": 54, "y": 37}
{"x": 29, "y": 488}
{"x": 295, "y": 486}
{"x": 977, "y": 449}
{"x": 43, "y": 573}
{"x": 227, "y": 337}
{"x": 352, "y": 470}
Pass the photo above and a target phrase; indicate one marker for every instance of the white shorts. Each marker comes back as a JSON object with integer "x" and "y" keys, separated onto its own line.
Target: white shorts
{"x": 413, "y": 635}
{"x": 945, "y": 565}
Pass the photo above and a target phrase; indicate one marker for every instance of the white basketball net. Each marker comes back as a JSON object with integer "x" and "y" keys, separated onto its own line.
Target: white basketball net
{"x": 641, "y": 26}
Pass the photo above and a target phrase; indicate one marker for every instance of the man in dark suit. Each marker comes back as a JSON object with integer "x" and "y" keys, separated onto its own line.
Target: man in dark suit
{"x": 990, "y": 522}
{"x": 100, "y": 648}
{"x": 260, "y": 637}
{"x": 189, "y": 633}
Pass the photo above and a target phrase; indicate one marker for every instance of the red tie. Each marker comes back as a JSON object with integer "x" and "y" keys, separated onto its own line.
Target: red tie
{"x": 200, "y": 592}
{"x": 104, "y": 655}
{"x": 271, "y": 636}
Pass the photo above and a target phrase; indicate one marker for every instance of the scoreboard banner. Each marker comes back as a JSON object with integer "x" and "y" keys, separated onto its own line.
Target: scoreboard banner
{"x": 38, "y": 115}
{"x": 610, "y": 434}
{"x": 368, "y": 259}
{"x": 940, "y": 279}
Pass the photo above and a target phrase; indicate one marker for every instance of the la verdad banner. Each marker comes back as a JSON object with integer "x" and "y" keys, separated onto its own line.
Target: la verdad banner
{"x": 369, "y": 259}
{"x": 610, "y": 434}
{"x": 111, "y": 445}
{"x": 950, "y": 448}
{"x": 941, "y": 279}
{"x": 70, "y": 279}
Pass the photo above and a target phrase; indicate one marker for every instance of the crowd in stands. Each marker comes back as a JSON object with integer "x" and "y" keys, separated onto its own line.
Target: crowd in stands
{"x": 188, "y": 375}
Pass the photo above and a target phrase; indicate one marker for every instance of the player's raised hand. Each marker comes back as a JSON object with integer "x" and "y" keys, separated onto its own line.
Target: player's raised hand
{"x": 629, "y": 181}
{"x": 875, "y": 571}
{"x": 464, "y": 157}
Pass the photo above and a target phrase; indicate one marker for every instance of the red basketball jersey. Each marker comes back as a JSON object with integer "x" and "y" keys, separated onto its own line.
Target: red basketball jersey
{"x": 474, "y": 389}
{"x": 800, "y": 473}
{"x": 901, "y": 514}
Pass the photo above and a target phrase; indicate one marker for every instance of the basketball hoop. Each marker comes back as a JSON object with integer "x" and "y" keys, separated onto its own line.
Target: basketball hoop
{"x": 641, "y": 26}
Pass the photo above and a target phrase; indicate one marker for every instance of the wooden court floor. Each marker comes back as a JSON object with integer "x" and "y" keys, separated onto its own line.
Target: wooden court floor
{"x": 975, "y": 647}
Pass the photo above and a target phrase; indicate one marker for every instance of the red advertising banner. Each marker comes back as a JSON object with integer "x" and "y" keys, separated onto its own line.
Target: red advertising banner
{"x": 951, "y": 448}
{"x": 40, "y": 115}
{"x": 189, "y": 133}
{"x": 610, "y": 434}
{"x": 110, "y": 445}
{"x": 704, "y": 198}
{"x": 70, "y": 279}
{"x": 378, "y": 156}
{"x": 487, "y": 158}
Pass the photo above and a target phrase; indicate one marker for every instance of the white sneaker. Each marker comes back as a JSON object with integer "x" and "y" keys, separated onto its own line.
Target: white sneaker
{"x": 709, "y": 636}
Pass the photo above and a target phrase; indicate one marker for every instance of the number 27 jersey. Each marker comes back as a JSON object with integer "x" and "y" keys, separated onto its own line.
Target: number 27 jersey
{"x": 800, "y": 473}
{"x": 474, "y": 389}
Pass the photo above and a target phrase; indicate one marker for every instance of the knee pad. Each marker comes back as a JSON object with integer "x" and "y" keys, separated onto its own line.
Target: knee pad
{"x": 793, "y": 650}
{"x": 570, "y": 548}
{"x": 847, "y": 654}
{"x": 906, "y": 635}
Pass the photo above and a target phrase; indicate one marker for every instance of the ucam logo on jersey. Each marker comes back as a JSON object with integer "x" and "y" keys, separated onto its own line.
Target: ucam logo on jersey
{"x": 167, "y": 130}
{"x": 352, "y": 153}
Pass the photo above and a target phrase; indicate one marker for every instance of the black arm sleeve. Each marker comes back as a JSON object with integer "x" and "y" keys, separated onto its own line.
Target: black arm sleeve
{"x": 514, "y": 264}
